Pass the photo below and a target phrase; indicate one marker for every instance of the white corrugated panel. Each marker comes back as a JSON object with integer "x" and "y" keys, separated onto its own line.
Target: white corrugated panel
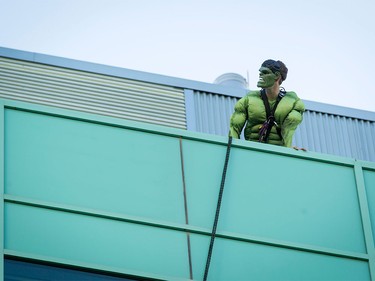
{"x": 92, "y": 92}
{"x": 319, "y": 132}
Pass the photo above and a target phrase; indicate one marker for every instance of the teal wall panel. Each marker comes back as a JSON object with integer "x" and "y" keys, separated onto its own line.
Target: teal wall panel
{"x": 274, "y": 196}
{"x": 203, "y": 169}
{"x": 369, "y": 178}
{"x": 108, "y": 194}
{"x": 235, "y": 260}
{"x": 94, "y": 166}
{"x": 80, "y": 238}
{"x": 281, "y": 198}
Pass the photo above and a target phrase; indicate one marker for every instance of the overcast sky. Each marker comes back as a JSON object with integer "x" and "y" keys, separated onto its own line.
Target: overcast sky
{"x": 328, "y": 45}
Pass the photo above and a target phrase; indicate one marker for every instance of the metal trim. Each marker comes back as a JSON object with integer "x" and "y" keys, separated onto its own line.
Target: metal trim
{"x": 92, "y": 92}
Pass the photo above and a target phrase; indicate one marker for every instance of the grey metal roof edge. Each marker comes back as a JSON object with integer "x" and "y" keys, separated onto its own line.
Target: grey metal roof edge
{"x": 339, "y": 110}
{"x": 121, "y": 72}
{"x": 169, "y": 81}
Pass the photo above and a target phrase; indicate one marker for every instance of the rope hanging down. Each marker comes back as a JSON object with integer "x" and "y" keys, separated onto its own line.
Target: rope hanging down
{"x": 213, "y": 233}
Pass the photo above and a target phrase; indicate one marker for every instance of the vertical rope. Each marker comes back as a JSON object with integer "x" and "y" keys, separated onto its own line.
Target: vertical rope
{"x": 186, "y": 209}
{"x": 217, "y": 210}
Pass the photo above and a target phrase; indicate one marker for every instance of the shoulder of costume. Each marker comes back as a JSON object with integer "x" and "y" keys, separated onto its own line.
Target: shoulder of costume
{"x": 291, "y": 94}
{"x": 253, "y": 93}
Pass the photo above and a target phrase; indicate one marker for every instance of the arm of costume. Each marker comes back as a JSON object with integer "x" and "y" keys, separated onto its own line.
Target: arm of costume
{"x": 238, "y": 119}
{"x": 291, "y": 122}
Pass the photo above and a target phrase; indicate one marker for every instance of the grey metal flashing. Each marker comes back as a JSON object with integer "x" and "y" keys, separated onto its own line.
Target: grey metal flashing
{"x": 120, "y": 72}
{"x": 190, "y": 110}
{"x": 339, "y": 110}
{"x": 170, "y": 81}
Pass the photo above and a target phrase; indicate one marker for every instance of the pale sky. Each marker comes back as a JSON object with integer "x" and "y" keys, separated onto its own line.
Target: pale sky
{"x": 328, "y": 45}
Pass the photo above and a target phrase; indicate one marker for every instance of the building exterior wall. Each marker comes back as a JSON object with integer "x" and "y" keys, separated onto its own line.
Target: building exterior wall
{"x": 173, "y": 102}
{"x": 139, "y": 200}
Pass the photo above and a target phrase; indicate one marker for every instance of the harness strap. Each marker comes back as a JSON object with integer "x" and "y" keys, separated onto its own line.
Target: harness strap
{"x": 265, "y": 130}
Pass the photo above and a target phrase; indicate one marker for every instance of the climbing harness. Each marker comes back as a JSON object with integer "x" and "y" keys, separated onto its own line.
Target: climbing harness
{"x": 265, "y": 129}
{"x": 213, "y": 233}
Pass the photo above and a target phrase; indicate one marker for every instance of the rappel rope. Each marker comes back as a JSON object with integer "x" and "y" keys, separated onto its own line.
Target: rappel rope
{"x": 213, "y": 233}
{"x": 263, "y": 138}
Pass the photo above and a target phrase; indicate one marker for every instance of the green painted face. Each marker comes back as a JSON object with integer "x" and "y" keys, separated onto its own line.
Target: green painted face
{"x": 266, "y": 77}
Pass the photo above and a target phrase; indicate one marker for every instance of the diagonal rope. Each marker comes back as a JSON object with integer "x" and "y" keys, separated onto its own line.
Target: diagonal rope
{"x": 217, "y": 210}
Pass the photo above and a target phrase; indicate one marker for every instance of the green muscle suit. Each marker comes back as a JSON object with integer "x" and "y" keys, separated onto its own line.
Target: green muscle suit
{"x": 251, "y": 110}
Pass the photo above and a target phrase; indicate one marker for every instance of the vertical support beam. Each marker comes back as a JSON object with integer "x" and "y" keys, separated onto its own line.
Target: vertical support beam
{"x": 365, "y": 214}
{"x": 190, "y": 110}
{"x": 2, "y": 166}
{"x": 186, "y": 210}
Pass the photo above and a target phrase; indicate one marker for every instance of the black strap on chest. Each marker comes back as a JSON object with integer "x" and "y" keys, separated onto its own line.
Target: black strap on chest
{"x": 265, "y": 130}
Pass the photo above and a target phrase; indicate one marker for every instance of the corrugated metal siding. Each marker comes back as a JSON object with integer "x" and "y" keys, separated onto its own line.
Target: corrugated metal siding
{"x": 338, "y": 135}
{"x": 93, "y": 93}
{"x": 319, "y": 132}
{"x": 213, "y": 112}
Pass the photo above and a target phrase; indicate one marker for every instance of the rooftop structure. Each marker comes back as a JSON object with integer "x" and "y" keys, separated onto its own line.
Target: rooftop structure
{"x": 170, "y": 101}
{"x": 114, "y": 174}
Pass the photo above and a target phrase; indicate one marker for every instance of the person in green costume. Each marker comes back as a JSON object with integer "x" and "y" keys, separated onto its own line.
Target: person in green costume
{"x": 251, "y": 109}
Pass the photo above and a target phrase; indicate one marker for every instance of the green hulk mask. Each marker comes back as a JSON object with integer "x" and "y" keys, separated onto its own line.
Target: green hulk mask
{"x": 267, "y": 78}
{"x": 270, "y": 71}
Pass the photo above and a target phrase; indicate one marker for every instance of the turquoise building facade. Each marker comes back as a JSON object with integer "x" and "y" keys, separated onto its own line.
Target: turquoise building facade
{"x": 138, "y": 200}
{"x": 104, "y": 195}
